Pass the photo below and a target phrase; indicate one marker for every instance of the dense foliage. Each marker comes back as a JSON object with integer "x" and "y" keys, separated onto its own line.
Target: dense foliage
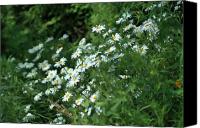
{"x": 97, "y": 63}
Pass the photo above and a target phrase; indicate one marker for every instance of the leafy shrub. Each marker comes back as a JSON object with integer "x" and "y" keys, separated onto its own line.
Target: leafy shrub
{"x": 27, "y": 25}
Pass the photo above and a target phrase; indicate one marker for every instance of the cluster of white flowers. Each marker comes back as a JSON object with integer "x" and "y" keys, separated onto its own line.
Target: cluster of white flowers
{"x": 28, "y": 117}
{"x": 73, "y": 77}
{"x": 60, "y": 63}
{"x": 164, "y": 17}
{"x": 59, "y": 119}
{"x": 38, "y": 96}
{"x": 111, "y": 49}
{"x": 82, "y": 47}
{"x": 25, "y": 65}
{"x": 148, "y": 26}
{"x": 178, "y": 5}
{"x": 36, "y": 48}
{"x": 79, "y": 101}
{"x": 66, "y": 96}
{"x": 125, "y": 17}
{"x": 116, "y": 37}
{"x": 142, "y": 50}
{"x": 128, "y": 27}
{"x": 51, "y": 106}
{"x": 159, "y": 5}
{"x": 44, "y": 65}
{"x": 51, "y": 74}
{"x": 107, "y": 33}
{"x": 57, "y": 54}
{"x": 89, "y": 110}
{"x": 98, "y": 28}
{"x": 76, "y": 54}
{"x": 38, "y": 56}
{"x": 51, "y": 91}
{"x": 27, "y": 108}
{"x": 94, "y": 97}
{"x": 87, "y": 56}
{"x": 32, "y": 73}
{"x": 98, "y": 110}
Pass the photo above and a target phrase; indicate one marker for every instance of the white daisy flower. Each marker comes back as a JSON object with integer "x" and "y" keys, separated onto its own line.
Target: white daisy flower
{"x": 27, "y": 108}
{"x": 59, "y": 50}
{"x": 128, "y": 27}
{"x": 63, "y": 60}
{"x": 82, "y": 42}
{"x": 98, "y": 28}
{"x": 111, "y": 49}
{"x": 143, "y": 50}
{"x": 57, "y": 81}
{"x": 76, "y": 54}
{"x": 35, "y": 48}
{"x": 89, "y": 110}
{"x": 116, "y": 37}
{"x": 120, "y": 20}
{"x": 98, "y": 110}
{"x": 28, "y": 117}
{"x": 32, "y": 74}
{"x": 79, "y": 101}
{"x": 51, "y": 91}
{"x": 51, "y": 106}
{"x": 64, "y": 70}
{"x": 66, "y": 96}
{"x": 51, "y": 74}
{"x": 38, "y": 96}
{"x": 44, "y": 65}
{"x": 55, "y": 56}
{"x": 94, "y": 97}
{"x": 82, "y": 114}
{"x": 74, "y": 80}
